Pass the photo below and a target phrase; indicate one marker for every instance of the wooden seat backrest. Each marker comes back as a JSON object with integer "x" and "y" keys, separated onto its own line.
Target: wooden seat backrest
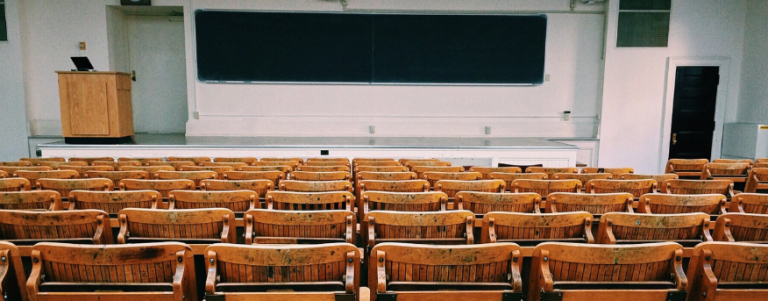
{"x": 396, "y": 267}
{"x": 660, "y": 178}
{"x": 292, "y": 164}
{"x": 246, "y": 160}
{"x": 326, "y": 164}
{"x": 90, "y": 161}
{"x": 728, "y": 271}
{"x": 56, "y": 165}
{"x": 761, "y": 160}
{"x": 660, "y": 203}
{"x": 142, "y": 160}
{"x": 151, "y": 170}
{"x": 297, "y": 160}
{"x": 164, "y": 187}
{"x": 23, "y": 227}
{"x": 486, "y": 171}
{"x": 301, "y": 201}
{"x": 421, "y": 169}
{"x": 339, "y": 159}
{"x": 370, "y": 168}
{"x": 12, "y": 278}
{"x": 435, "y": 228}
{"x": 545, "y": 187}
{"x": 175, "y": 164}
{"x": 271, "y": 272}
{"x": 36, "y": 160}
{"x": 65, "y": 186}
{"x": 592, "y": 203}
{"x": 401, "y": 201}
{"x": 196, "y": 160}
{"x": 3, "y": 174}
{"x": 715, "y": 170}
{"x": 261, "y": 187}
{"x": 113, "y": 201}
{"x": 11, "y": 170}
{"x": 757, "y": 180}
{"x": 322, "y": 168}
{"x": 433, "y": 176}
{"x": 356, "y": 163}
{"x": 551, "y": 171}
{"x": 321, "y": 176}
{"x": 741, "y": 227}
{"x": 275, "y": 176}
{"x": 749, "y": 203}
{"x": 623, "y": 228}
{"x": 195, "y": 176}
{"x": 511, "y": 177}
{"x": 412, "y": 164}
{"x": 748, "y": 161}
{"x": 305, "y": 227}
{"x": 116, "y": 164}
{"x": 315, "y": 186}
{"x": 484, "y": 202}
{"x": 31, "y": 200}
{"x": 16, "y": 163}
{"x": 193, "y": 226}
{"x": 235, "y": 200}
{"x": 615, "y": 171}
{"x": 531, "y": 229}
{"x": 157, "y": 271}
{"x": 234, "y": 165}
{"x": 404, "y": 160}
{"x": 636, "y": 187}
{"x": 116, "y": 176}
{"x": 585, "y": 265}
{"x": 451, "y": 187}
{"x": 219, "y": 170}
{"x": 33, "y": 176}
{"x": 583, "y": 177}
{"x": 385, "y": 176}
{"x": 14, "y": 184}
{"x": 693, "y": 166}
{"x": 83, "y": 169}
{"x": 761, "y": 165}
{"x": 724, "y": 187}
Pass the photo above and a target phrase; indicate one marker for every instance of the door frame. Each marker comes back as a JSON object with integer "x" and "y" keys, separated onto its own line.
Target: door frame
{"x": 669, "y": 99}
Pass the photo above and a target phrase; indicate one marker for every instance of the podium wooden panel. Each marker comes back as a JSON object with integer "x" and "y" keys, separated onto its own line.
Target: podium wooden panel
{"x": 95, "y": 106}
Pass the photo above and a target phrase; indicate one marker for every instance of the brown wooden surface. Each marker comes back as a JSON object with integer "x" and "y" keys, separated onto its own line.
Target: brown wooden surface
{"x": 58, "y": 164}
{"x": 196, "y": 176}
{"x": 80, "y": 226}
{"x": 261, "y": 187}
{"x": 117, "y": 176}
{"x": 714, "y": 265}
{"x": 292, "y": 163}
{"x": 356, "y": 163}
{"x": 551, "y": 171}
{"x": 11, "y": 170}
{"x": 95, "y": 104}
{"x": 90, "y": 160}
{"x": 151, "y": 170}
{"x": 33, "y": 176}
{"x": 451, "y": 187}
{"x": 615, "y": 171}
{"x": 246, "y": 160}
{"x": 624, "y": 228}
{"x": 736, "y": 172}
{"x": 749, "y": 203}
{"x": 162, "y": 186}
{"x": 323, "y": 167}
{"x": 321, "y": 175}
{"x": 175, "y": 164}
{"x": 235, "y": 200}
{"x": 114, "y": 201}
{"x": 421, "y": 169}
{"x": 219, "y": 170}
{"x": 660, "y": 178}
{"x": 484, "y": 202}
{"x": 545, "y": 187}
{"x": 511, "y": 177}
{"x": 274, "y": 176}
{"x": 636, "y": 187}
{"x": 309, "y": 163}
{"x": 368, "y": 168}
{"x": 307, "y": 227}
{"x": 37, "y": 160}
{"x": 757, "y": 180}
{"x": 185, "y": 225}
{"x": 381, "y": 176}
{"x": 724, "y": 187}
{"x": 12, "y": 278}
{"x": 16, "y": 163}
{"x": 401, "y": 201}
{"x": 486, "y": 171}
{"x": 592, "y": 203}
{"x": 659, "y": 203}
{"x": 31, "y": 200}
{"x": 433, "y": 176}
{"x": 436, "y": 228}
{"x": 748, "y": 161}
{"x": 117, "y": 164}
{"x": 3, "y": 174}
{"x": 297, "y": 160}
{"x": 314, "y": 186}
{"x": 83, "y": 169}
{"x": 300, "y": 201}
{"x": 142, "y": 160}
{"x": 583, "y": 177}
{"x": 197, "y": 160}
{"x": 14, "y": 184}
{"x": 539, "y": 227}
{"x": 412, "y": 164}
{"x": 741, "y": 227}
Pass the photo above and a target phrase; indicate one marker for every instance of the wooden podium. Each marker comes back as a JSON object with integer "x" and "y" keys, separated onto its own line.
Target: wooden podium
{"x": 95, "y": 107}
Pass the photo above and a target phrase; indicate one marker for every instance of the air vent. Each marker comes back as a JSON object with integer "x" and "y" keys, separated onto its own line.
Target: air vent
{"x": 643, "y": 23}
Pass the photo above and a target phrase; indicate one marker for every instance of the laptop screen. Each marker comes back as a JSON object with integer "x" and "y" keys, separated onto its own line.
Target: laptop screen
{"x": 82, "y": 63}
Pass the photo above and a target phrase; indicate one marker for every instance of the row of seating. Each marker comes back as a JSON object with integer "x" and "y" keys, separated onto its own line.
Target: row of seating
{"x": 559, "y": 271}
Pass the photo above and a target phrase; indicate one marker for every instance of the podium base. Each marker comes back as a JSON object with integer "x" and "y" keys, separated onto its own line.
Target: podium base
{"x": 100, "y": 140}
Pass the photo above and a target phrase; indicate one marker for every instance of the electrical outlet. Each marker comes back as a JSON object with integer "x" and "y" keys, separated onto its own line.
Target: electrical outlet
{"x": 487, "y": 130}
{"x": 196, "y": 115}
{"x": 81, "y": 45}
{"x": 546, "y": 77}
{"x": 372, "y": 129}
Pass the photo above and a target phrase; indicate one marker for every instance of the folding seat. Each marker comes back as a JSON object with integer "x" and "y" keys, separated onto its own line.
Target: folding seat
{"x": 302, "y": 201}
{"x": 486, "y": 171}
{"x": 83, "y": 169}
{"x": 635, "y": 187}
{"x": 687, "y": 229}
{"x": 749, "y": 203}
{"x": 196, "y": 160}
{"x": 724, "y": 187}
{"x": 432, "y": 176}
{"x": 532, "y": 229}
{"x": 33, "y": 176}
{"x": 90, "y": 161}
{"x": 299, "y": 227}
{"x": 434, "y": 228}
{"x": 12, "y": 279}
{"x": 238, "y": 201}
{"x": 310, "y": 186}
{"x": 219, "y": 170}
{"x": 26, "y": 228}
{"x": 65, "y": 186}
{"x": 596, "y": 204}
{"x": 545, "y": 187}
{"x": 14, "y": 184}
{"x": 117, "y": 176}
{"x": 742, "y": 227}
{"x": 117, "y": 164}
{"x": 421, "y": 169}
{"x": 508, "y": 178}
{"x": 246, "y": 160}
{"x": 323, "y": 167}
{"x": 615, "y": 171}
{"x": 275, "y": 176}
{"x": 757, "y": 180}
{"x": 660, "y": 203}
{"x": 451, "y": 187}
{"x": 112, "y": 202}
{"x": 31, "y": 200}
{"x": 686, "y": 168}
{"x": 551, "y": 171}
{"x": 164, "y": 187}
{"x": 726, "y": 271}
{"x": 190, "y": 226}
{"x": 484, "y": 202}
{"x": 175, "y": 164}
{"x": 195, "y": 176}
{"x": 321, "y": 176}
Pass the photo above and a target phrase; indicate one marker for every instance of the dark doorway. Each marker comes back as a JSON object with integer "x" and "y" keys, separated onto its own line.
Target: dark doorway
{"x": 693, "y": 112}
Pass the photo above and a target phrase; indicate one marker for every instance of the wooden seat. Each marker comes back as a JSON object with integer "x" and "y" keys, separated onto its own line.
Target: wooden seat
{"x": 83, "y": 169}
{"x": 390, "y": 186}
{"x": 175, "y": 164}
{"x": 615, "y": 171}
{"x": 219, "y": 170}
{"x": 90, "y": 161}
{"x": 687, "y": 229}
{"x": 112, "y": 202}
{"x": 117, "y": 176}
{"x": 15, "y": 184}
{"x": 532, "y": 229}
{"x": 31, "y": 200}
{"x": 325, "y": 163}
{"x": 16, "y": 163}
{"x": 432, "y": 176}
{"x": 369, "y": 168}
{"x": 321, "y": 176}
{"x": 3, "y": 174}
{"x": 190, "y": 226}
{"x": 12, "y": 279}
{"x": 451, "y": 187}
{"x": 157, "y": 272}
{"x": 607, "y": 272}
{"x": 757, "y": 180}
{"x": 142, "y": 160}
{"x": 282, "y": 168}
{"x": 57, "y": 164}
{"x": 246, "y": 160}
{"x": 659, "y": 203}
{"x": 401, "y": 201}
{"x": 583, "y": 177}
{"x": 545, "y": 187}
{"x": 196, "y": 160}
{"x": 11, "y": 170}
{"x": 34, "y": 161}
{"x": 551, "y": 171}
{"x": 760, "y": 165}
{"x": 749, "y": 203}
{"x": 65, "y": 186}
{"x": 381, "y": 176}
{"x": 292, "y": 164}
{"x": 412, "y": 164}
{"x": 33, "y": 176}
{"x": 688, "y": 168}
{"x": 323, "y": 168}
{"x": 196, "y": 176}
{"x": 508, "y": 178}
{"x": 486, "y": 171}
{"x": 164, "y": 187}
{"x": 421, "y": 169}
{"x": 490, "y": 272}
{"x": 234, "y": 165}
{"x": 726, "y": 271}
{"x": 297, "y": 160}
{"x": 660, "y": 178}
{"x": 741, "y": 227}
{"x": 736, "y": 172}
{"x": 636, "y": 187}
{"x": 260, "y": 187}
{"x": 117, "y": 164}
{"x": 310, "y": 186}
{"x": 342, "y": 160}
{"x": 432, "y": 228}
{"x": 724, "y": 187}
{"x": 274, "y": 176}
{"x": 151, "y": 170}
{"x": 404, "y": 160}
{"x": 299, "y": 227}
{"x": 302, "y": 201}
{"x": 358, "y": 160}
{"x": 26, "y": 228}
{"x": 596, "y": 204}
{"x": 481, "y": 203}
{"x": 238, "y": 201}
{"x": 356, "y": 163}
{"x": 327, "y": 272}
{"x": 748, "y": 161}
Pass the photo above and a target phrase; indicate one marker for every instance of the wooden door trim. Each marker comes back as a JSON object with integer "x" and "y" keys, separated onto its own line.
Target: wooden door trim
{"x": 669, "y": 98}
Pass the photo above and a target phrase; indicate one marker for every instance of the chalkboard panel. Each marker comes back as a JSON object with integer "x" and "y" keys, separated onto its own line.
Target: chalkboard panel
{"x": 459, "y": 49}
{"x": 370, "y": 48}
{"x": 283, "y": 47}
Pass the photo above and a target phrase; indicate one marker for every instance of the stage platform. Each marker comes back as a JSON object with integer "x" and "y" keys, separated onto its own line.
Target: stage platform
{"x": 460, "y": 151}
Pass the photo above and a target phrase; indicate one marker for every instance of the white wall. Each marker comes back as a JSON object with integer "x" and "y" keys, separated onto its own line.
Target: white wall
{"x": 753, "y": 101}
{"x": 635, "y": 78}
{"x": 13, "y": 132}
{"x": 573, "y": 59}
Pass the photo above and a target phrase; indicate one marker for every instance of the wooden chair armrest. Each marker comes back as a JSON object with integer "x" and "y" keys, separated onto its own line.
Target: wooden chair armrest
{"x": 491, "y": 231}
{"x": 381, "y": 273}
{"x": 349, "y": 283}
{"x": 458, "y": 202}
{"x": 371, "y": 233}
{"x": 350, "y": 233}
{"x": 537, "y": 206}
{"x": 210, "y": 281}
{"x": 470, "y": 230}
{"x": 680, "y": 279}
{"x": 33, "y": 282}
{"x": 180, "y": 276}
{"x": 630, "y": 202}
{"x": 721, "y": 207}
{"x": 100, "y": 236}
{"x": 607, "y": 236}
{"x": 546, "y": 282}
{"x": 248, "y": 230}
{"x": 443, "y": 204}
{"x": 225, "y": 230}
{"x": 588, "y": 230}
{"x": 723, "y": 231}
{"x": 706, "y": 236}
{"x": 123, "y": 235}
{"x": 514, "y": 268}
